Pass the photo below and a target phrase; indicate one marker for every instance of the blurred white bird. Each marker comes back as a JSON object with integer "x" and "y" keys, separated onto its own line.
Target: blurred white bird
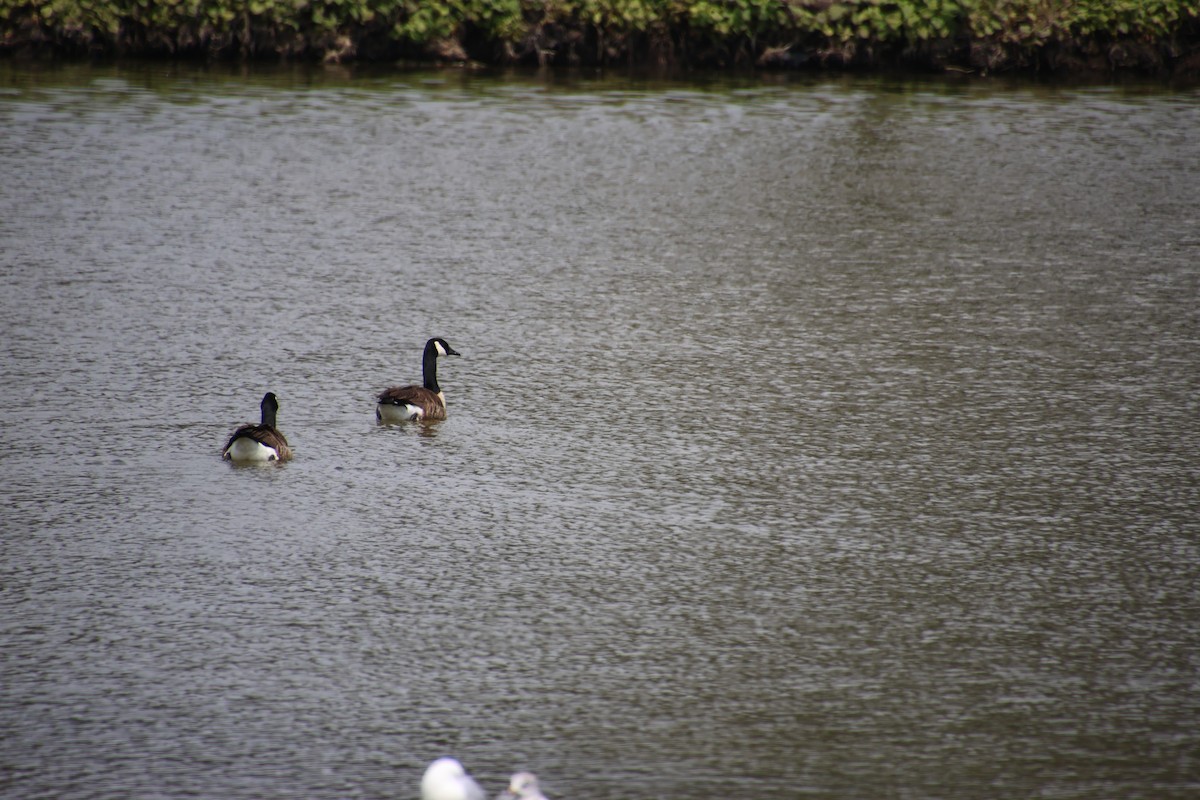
{"x": 522, "y": 786}
{"x": 445, "y": 779}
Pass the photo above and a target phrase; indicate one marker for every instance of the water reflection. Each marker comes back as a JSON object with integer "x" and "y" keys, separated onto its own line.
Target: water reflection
{"x": 820, "y": 435}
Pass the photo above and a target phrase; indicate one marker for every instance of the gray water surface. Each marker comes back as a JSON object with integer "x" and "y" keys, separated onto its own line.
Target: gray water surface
{"x": 819, "y": 437}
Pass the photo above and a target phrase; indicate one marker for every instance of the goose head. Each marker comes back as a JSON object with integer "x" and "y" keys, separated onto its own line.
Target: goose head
{"x": 440, "y": 347}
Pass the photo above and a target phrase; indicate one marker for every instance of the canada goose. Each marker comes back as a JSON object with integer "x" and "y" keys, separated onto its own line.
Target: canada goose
{"x": 445, "y": 779}
{"x": 403, "y": 403}
{"x": 523, "y": 786}
{"x": 259, "y": 442}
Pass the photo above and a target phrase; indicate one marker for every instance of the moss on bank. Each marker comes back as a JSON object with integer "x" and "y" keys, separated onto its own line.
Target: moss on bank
{"x": 1151, "y": 36}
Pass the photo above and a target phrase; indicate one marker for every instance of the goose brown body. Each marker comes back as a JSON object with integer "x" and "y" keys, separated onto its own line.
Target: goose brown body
{"x": 425, "y": 402}
{"x": 431, "y": 405}
{"x": 262, "y": 442}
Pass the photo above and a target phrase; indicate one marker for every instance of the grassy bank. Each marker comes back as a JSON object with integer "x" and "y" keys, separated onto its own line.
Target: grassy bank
{"x": 1150, "y": 36}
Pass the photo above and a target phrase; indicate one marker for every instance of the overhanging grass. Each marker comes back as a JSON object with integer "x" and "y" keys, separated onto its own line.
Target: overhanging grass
{"x": 979, "y": 34}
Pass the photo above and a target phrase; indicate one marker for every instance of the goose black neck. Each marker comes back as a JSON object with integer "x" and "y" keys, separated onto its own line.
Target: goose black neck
{"x": 429, "y": 368}
{"x": 268, "y": 412}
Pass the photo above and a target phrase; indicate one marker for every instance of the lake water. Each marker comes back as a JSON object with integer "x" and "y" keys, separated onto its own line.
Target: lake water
{"x": 813, "y": 436}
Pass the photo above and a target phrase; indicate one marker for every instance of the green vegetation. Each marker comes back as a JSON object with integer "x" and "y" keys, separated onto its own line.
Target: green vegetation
{"x": 984, "y": 35}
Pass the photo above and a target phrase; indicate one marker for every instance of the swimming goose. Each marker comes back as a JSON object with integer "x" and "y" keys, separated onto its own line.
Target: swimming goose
{"x": 404, "y": 403}
{"x": 445, "y": 779}
{"x": 522, "y": 786}
{"x": 261, "y": 442}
